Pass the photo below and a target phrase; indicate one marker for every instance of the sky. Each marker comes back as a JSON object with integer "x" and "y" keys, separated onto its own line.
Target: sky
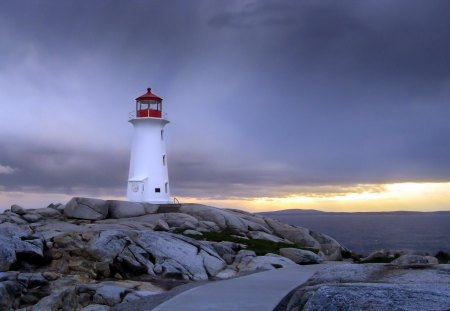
{"x": 331, "y": 105}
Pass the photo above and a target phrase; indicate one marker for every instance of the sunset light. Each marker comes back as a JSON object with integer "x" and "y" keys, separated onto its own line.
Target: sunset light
{"x": 358, "y": 198}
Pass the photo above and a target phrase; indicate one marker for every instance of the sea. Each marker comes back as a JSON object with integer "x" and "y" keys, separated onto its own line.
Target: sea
{"x": 363, "y": 233}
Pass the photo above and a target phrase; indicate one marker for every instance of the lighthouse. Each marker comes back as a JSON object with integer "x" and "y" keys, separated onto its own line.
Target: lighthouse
{"x": 148, "y": 179}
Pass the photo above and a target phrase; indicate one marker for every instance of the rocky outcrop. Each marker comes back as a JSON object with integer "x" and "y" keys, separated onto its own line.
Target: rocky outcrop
{"x": 19, "y": 210}
{"x": 222, "y": 218}
{"x": 300, "y": 256}
{"x": 330, "y": 249}
{"x": 86, "y": 243}
{"x": 408, "y": 260}
{"x": 124, "y": 209}
{"x": 18, "y": 245}
{"x": 297, "y": 235}
{"x": 46, "y": 291}
{"x": 382, "y": 297}
{"x": 261, "y": 235}
{"x": 206, "y": 218}
{"x": 86, "y": 208}
{"x": 378, "y": 255}
{"x": 180, "y": 256}
{"x": 247, "y": 261}
{"x": 374, "y": 287}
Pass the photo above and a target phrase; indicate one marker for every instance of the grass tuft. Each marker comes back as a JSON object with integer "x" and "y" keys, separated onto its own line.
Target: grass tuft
{"x": 260, "y": 247}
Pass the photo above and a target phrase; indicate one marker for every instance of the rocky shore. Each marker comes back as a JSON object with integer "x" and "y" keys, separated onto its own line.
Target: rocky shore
{"x": 405, "y": 285}
{"x": 92, "y": 254}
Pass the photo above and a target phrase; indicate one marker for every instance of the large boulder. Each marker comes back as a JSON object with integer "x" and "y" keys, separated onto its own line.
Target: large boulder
{"x": 406, "y": 260}
{"x": 9, "y": 216}
{"x": 108, "y": 245}
{"x": 256, "y": 226}
{"x": 181, "y": 221}
{"x": 297, "y": 235}
{"x": 373, "y": 286}
{"x": 247, "y": 262}
{"x": 125, "y": 209}
{"x": 86, "y": 208}
{"x": 301, "y": 256}
{"x": 109, "y": 295}
{"x": 224, "y": 248}
{"x": 47, "y": 212}
{"x": 32, "y": 217}
{"x": 330, "y": 249}
{"x": 223, "y": 218}
{"x": 265, "y": 236}
{"x": 58, "y": 206}
{"x": 18, "y": 244}
{"x": 253, "y": 221}
{"x": 50, "y": 229}
{"x": 150, "y": 208}
{"x": 381, "y": 297}
{"x": 161, "y": 225}
{"x": 432, "y": 260}
{"x": 180, "y": 255}
{"x": 377, "y": 255}
{"x": 19, "y": 210}
{"x": 206, "y": 225}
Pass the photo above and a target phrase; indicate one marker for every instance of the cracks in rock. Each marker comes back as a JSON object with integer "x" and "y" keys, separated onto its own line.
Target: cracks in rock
{"x": 90, "y": 207}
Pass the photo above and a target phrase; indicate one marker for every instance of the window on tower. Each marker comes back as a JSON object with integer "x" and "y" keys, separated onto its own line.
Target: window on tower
{"x": 164, "y": 159}
{"x": 158, "y": 190}
{"x": 162, "y": 134}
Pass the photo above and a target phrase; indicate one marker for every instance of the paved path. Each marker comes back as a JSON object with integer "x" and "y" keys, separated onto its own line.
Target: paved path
{"x": 256, "y": 292}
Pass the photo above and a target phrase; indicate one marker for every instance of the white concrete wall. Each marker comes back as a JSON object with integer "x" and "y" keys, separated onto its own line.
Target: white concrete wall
{"x": 147, "y": 170}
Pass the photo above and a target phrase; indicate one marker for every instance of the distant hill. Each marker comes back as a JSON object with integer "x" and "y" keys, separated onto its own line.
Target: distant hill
{"x": 364, "y": 232}
{"x": 293, "y": 211}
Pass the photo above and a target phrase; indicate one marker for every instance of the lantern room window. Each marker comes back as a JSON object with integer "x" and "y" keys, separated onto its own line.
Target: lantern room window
{"x": 146, "y": 109}
{"x": 148, "y": 105}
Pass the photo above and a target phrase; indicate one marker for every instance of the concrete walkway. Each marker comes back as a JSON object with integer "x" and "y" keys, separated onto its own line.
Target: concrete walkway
{"x": 256, "y": 292}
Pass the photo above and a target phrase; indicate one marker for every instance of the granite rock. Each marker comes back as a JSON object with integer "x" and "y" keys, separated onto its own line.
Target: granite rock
{"x": 86, "y": 208}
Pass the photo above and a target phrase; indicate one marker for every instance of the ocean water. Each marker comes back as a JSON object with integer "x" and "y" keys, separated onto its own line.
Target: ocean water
{"x": 366, "y": 232}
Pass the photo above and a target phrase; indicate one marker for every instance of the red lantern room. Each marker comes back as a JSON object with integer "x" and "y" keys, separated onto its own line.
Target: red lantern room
{"x": 148, "y": 105}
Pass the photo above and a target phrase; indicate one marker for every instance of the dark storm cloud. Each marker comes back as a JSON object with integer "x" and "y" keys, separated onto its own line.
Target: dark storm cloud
{"x": 46, "y": 168}
{"x": 261, "y": 94}
{"x": 407, "y": 39}
{"x": 49, "y": 168}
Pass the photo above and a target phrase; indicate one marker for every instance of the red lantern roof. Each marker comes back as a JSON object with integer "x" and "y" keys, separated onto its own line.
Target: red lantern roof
{"x": 149, "y": 96}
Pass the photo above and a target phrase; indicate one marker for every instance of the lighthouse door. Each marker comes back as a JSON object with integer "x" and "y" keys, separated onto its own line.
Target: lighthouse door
{"x": 136, "y": 190}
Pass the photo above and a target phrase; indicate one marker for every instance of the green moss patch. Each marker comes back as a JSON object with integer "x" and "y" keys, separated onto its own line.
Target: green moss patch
{"x": 260, "y": 247}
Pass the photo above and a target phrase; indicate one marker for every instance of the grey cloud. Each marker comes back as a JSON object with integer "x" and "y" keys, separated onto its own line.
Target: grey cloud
{"x": 265, "y": 97}
{"x": 49, "y": 168}
{"x": 6, "y": 169}
{"x": 396, "y": 39}
{"x": 66, "y": 170}
{"x": 255, "y": 15}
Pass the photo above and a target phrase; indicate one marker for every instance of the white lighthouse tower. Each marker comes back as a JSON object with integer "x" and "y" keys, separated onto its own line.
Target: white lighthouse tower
{"x": 148, "y": 180}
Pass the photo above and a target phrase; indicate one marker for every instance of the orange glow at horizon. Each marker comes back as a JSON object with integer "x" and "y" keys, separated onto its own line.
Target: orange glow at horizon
{"x": 361, "y": 198}
{"x": 432, "y": 196}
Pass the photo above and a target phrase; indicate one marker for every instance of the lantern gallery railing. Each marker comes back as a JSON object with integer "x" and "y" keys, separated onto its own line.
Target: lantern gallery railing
{"x": 147, "y": 114}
